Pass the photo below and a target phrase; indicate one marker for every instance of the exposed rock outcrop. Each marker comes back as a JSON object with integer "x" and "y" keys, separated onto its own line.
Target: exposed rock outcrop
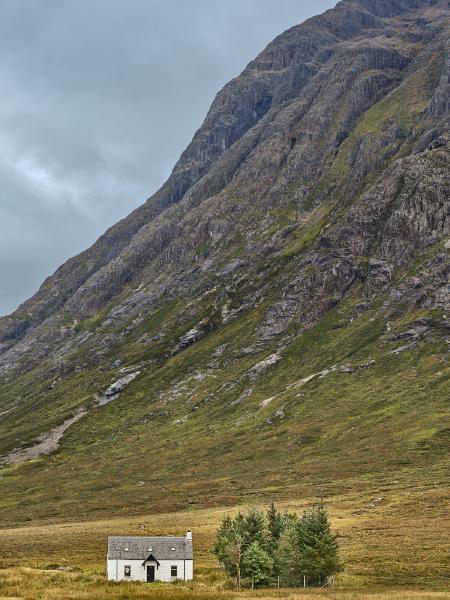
{"x": 285, "y": 114}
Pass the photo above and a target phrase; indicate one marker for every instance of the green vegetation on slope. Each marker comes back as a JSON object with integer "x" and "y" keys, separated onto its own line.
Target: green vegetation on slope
{"x": 223, "y": 435}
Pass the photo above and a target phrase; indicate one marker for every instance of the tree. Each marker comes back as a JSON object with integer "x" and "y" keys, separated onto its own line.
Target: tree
{"x": 275, "y": 526}
{"x": 224, "y": 537}
{"x": 253, "y": 528}
{"x": 310, "y": 549}
{"x": 257, "y": 563}
{"x": 234, "y": 537}
{"x": 256, "y": 546}
{"x": 288, "y": 556}
{"x": 228, "y": 546}
{"x": 233, "y": 551}
{"x": 318, "y": 545}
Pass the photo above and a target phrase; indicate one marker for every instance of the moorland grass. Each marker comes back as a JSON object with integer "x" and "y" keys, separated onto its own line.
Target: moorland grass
{"x": 29, "y": 584}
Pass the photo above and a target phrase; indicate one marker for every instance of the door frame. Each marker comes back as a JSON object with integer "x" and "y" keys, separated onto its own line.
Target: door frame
{"x": 148, "y": 567}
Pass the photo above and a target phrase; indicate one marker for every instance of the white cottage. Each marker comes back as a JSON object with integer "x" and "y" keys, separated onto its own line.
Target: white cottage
{"x": 150, "y": 558}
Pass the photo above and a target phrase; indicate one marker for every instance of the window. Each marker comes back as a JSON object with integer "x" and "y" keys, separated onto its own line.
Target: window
{"x": 173, "y": 571}
{"x": 127, "y": 570}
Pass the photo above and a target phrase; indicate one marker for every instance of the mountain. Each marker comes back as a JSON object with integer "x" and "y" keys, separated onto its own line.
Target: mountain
{"x": 273, "y": 322}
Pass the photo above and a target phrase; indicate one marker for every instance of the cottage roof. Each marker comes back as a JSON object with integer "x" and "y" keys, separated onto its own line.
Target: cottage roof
{"x": 162, "y": 548}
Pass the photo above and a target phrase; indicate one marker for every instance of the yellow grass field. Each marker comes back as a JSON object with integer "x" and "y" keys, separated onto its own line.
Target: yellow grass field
{"x": 27, "y": 584}
{"x": 393, "y": 546}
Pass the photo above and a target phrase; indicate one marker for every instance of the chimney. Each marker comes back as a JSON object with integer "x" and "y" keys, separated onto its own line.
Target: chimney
{"x": 189, "y": 535}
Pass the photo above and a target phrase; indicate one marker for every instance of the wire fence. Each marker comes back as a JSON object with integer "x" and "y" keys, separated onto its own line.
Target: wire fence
{"x": 300, "y": 582}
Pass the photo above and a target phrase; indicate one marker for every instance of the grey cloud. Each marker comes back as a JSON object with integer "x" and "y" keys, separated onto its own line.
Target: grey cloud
{"x": 98, "y": 99}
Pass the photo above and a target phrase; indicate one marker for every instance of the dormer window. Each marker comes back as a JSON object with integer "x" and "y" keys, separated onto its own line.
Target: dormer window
{"x": 127, "y": 549}
{"x": 150, "y": 549}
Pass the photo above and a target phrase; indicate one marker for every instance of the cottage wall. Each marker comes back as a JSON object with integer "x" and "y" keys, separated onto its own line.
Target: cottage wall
{"x": 116, "y": 570}
{"x": 189, "y": 564}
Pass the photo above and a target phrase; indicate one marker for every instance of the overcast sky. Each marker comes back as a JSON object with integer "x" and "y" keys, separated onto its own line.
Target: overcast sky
{"x": 99, "y": 98}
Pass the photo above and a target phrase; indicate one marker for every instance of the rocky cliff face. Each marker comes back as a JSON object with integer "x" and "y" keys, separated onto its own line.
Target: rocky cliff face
{"x": 318, "y": 183}
{"x": 273, "y": 133}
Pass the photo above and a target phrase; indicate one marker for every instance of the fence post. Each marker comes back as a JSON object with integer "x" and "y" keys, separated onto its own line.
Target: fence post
{"x": 253, "y": 583}
{"x": 304, "y": 581}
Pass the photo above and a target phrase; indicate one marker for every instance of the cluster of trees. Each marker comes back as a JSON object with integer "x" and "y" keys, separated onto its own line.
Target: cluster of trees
{"x": 258, "y": 547}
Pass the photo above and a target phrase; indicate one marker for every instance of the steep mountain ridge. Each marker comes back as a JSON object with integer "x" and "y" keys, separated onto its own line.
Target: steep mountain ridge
{"x": 271, "y": 319}
{"x": 276, "y": 76}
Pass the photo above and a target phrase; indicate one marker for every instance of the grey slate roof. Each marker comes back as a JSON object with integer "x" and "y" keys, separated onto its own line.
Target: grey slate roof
{"x": 139, "y": 547}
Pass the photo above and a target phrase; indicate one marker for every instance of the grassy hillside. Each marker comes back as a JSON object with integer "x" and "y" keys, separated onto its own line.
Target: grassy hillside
{"x": 188, "y": 432}
{"x": 392, "y": 540}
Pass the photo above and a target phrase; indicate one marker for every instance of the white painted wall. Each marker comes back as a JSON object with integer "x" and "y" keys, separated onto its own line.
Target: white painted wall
{"x": 116, "y": 570}
{"x": 189, "y": 564}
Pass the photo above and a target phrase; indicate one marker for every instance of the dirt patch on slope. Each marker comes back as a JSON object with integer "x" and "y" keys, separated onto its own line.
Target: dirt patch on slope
{"x": 46, "y": 443}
